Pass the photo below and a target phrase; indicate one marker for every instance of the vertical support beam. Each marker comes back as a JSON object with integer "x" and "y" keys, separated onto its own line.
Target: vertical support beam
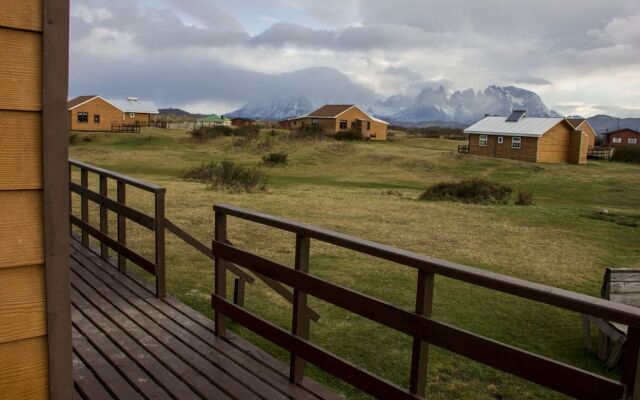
{"x": 420, "y": 351}
{"x": 300, "y": 324}
{"x": 160, "y": 251}
{"x": 220, "y": 272}
{"x": 122, "y": 226}
{"x": 238, "y": 292}
{"x": 84, "y": 205}
{"x": 70, "y": 201}
{"x": 104, "y": 218}
{"x": 631, "y": 369}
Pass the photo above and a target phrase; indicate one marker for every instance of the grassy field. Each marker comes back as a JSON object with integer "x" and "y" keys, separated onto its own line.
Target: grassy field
{"x": 370, "y": 190}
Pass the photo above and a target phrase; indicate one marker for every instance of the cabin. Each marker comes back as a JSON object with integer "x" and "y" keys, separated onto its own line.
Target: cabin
{"x": 213, "y": 120}
{"x": 332, "y": 119}
{"x": 240, "y": 122}
{"x": 95, "y": 114}
{"x": 519, "y": 137}
{"x": 622, "y": 137}
{"x": 582, "y": 124}
{"x": 78, "y": 322}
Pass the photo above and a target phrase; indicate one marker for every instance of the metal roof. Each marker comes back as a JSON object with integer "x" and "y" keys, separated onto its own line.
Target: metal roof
{"x": 137, "y": 106}
{"x": 527, "y": 126}
{"x": 213, "y": 118}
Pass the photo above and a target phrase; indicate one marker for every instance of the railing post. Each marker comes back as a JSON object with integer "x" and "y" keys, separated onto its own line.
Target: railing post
{"x": 122, "y": 226}
{"x": 238, "y": 292}
{"x": 300, "y": 324}
{"x": 84, "y": 205}
{"x": 220, "y": 272}
{"x": 104, "y": 221}
{"x": 160, "y": 245}
{"x": 631, "y": 368}
{"x": 420, "y": 351}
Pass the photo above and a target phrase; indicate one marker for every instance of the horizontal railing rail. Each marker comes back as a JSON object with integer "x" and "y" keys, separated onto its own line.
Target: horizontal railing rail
{"x": 149, "y": 187}
{"x": 419, "y": 325}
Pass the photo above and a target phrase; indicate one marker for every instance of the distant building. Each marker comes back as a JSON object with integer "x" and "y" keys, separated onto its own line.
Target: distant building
{"x": 214, "y": 120}
{"x": 336, "y": 118}
{"x": 544, "y": 140}
{"x": 240, "y": 122}
{"x": 623, "y": 137}
{"x": 95, "y": 114}
{"x": 582, "y": 124}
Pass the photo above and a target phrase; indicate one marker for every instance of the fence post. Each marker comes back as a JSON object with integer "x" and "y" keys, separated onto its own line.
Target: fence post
{"x": 220, "y": 272}
{"x": 420, "y": 350}
{"x": 84, "y": 205}
{"x": 630, "y": 376}
{"x": 160, "y": 251}
{"x": 300, "y": 324}
{"x": 104, "y": 221}
{"x": 122, "y": 226}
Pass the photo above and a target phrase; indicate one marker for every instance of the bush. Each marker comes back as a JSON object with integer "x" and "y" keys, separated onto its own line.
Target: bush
{"x": 279, "y": 158}
{"x": 468, "y": 191}
{"x": 524, "y": 198}
{"x": 351, "y": 134}
{"x": 247, "y": 131}
{"x": 313, "y": 131}
{"x": 73, "y": 138}
{"x": 627, "y": 154}
{"x": 206, "y": 133}
{"x": 228, "y": 176}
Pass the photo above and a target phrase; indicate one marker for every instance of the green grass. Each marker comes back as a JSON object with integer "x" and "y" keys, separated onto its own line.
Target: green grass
{"x": 344, "y": 186}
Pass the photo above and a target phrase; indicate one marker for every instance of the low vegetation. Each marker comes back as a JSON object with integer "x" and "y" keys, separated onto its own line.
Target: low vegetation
{"x": 622, "y": 219}
{"x": 477, "y": 191}
{"x": 351, "y": 135}
{"x": 524, "y": 198}
{"x": 279, "y": 158}
{"x": 312, "y": 131}
{"x": 206, "y": 133}
{"x": 627, "y": 154}
{"x": 434, "y": 132}
{"x": 228, "y": 175}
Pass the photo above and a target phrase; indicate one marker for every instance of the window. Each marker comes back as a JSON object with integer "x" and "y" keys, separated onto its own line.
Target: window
{"x": 616, "y": 140}
{"x": 500, "y": 139}
{"x": 368, "y": 125}
{"x": 343, "y": 124}
{"x": 295, "y": 123}
{"x": 483, "y": 141}
{"x": 132, "y": 115}
{"x": 516, "y": 142}
{"x": 353, "y": 125}
{"x": 83, "y": 117}
{"x": 96, "y": 118}
{"x": 632, "y": 140}
{"x": 314, "y": 121}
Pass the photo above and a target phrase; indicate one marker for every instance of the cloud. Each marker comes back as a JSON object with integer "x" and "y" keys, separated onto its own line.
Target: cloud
{"x": 403, "y": 72}
{"x": 531, "y": 80}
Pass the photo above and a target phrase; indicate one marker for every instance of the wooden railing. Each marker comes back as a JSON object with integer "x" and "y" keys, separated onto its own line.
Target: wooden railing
{"x": 418, "y": 323}
{"x": 463, "y": 148}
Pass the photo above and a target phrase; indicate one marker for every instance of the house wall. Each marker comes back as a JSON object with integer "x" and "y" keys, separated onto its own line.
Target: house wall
{"x": 138, "y": 118}
{"x": 578, "y": 147}
{"x": 380, "y": 130}
{"x": 625, "y": 136}
{"x": 555, "y": 145}
{"x": 23, "y": 323}
{"x": 109, "y": 115}
{"x": 527, "y": 152}
{"x": 591, "y": 134}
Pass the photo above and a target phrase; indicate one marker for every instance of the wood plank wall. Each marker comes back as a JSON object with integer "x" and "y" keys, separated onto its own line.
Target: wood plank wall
{"x": 23, "y": 324}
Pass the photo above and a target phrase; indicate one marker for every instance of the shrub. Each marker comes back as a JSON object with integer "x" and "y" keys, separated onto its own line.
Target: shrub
{"x": 313, "y": 131}
{"x": 242, "y": 141}
{"x": 247, "y": 131}
{"x": 73, "y": 138}
{"x": 627, "y": 154}
{"x": 279, "y": 158}
{"x": 228, "y": 176}
{"x": 468, "y": 191}
{"x": 351, "y": 134}
{"x": 205, "y": 133}
{"x": 524, "y": 198}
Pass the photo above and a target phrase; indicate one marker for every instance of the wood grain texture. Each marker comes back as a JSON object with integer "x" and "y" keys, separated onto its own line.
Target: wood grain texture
{"x": 21, "y": 144}
{"x": 23, "y": 370}
{"x": 24, "y": 14}
{"x": 20, "y": 70}
{"x": 21, "y": 228}
{"x": 22, "y": 303}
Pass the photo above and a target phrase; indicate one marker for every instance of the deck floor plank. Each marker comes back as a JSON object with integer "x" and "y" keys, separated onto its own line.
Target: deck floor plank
{"x": 86, "y": 385}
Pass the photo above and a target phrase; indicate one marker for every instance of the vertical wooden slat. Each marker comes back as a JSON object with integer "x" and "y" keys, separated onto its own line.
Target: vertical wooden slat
{"x": 84, "y": 205}
{"x": 238, "y": 292}
{"x": 631, "y": 369}
{"x": 122, "y": 226}
{"x": 220, "y": 271}
{"x": 420, "y": 351}
{"x": 104, "y": 218}
{"x": 300, "y": 324}
{"x": 160, "y": 245}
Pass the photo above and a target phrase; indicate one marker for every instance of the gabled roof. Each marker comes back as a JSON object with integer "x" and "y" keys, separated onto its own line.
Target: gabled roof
{"x": 137, "y": 106}
{"x": 622, "y": 130}
{"x": 527, "y": 126}
{"x": 213, "y": 118}
{"x": 73, "y": 103}
{"x": 576, "y": 122}
{"x": 331, "y": 110}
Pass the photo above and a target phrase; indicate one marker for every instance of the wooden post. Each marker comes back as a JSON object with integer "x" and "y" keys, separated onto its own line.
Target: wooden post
{"x": 300, "y": 324}
{"x": 220, "y": 272}
{"x": 84, "y": 205}
{"x": 420, "y": 351}
{"x": 631, "y": 369}
{"x": 238, "y": 292}
{"x": 122, "y": 226}
{"x": 160, "y": 245}
{"x": 104, "y": 221}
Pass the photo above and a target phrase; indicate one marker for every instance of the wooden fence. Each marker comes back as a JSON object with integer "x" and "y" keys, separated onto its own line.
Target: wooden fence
{"x": 463, "y": 148}
{"x": 135, "y": 128}
{"x": 418, "y": 323}
{"x": 601, "y": 152}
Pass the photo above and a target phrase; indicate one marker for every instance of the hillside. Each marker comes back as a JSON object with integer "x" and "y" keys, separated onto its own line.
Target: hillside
{"x": 606, "y": 123}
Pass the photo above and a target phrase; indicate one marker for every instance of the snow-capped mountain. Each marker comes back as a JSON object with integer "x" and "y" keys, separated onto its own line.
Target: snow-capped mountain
{"x": 274, "y": 110}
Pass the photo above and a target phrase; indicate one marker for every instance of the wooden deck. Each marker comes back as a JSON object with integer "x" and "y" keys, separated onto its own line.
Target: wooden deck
{"x": 128, "y": 344}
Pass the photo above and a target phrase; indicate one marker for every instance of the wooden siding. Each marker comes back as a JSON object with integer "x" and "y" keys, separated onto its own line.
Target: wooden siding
{"x": 377, "y": 131}
{"x": 527, "y": 152}
{"x": 591, "y": 134}
{"x": 109, "y": 115}
{"x": 555, "y": 145}
{"x": 20, "y": 141}
{"x": 23, "y": 324}
{"x": 140, "y": 118}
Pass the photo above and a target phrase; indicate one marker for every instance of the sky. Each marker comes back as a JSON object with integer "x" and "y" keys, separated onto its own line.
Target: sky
{"x": 581, "y": 56}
